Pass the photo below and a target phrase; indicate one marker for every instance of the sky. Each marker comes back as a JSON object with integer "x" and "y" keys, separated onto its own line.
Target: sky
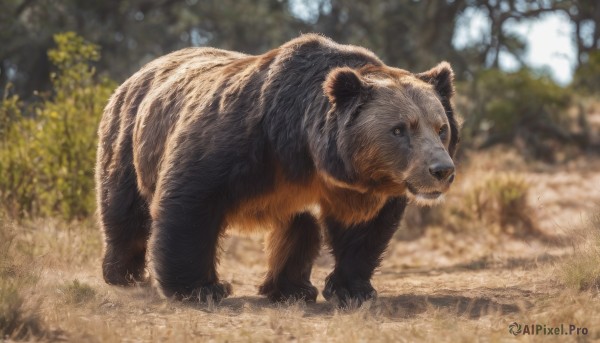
{"x": 549, "y": 42}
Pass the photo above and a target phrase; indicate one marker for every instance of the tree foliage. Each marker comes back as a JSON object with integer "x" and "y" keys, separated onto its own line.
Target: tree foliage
{"x": 47, "y": 150}
{"x": 523, "y": 106}
{"x": 405, "y": 33}
{"x": 587, "y": 76}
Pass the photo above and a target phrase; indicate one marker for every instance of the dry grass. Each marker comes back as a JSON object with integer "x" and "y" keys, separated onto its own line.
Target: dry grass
{"x": 462, "y": 280}
{"x": 581, "y": 270}
{"x": 18, "y": 276}
{"x": 502, "y": 199}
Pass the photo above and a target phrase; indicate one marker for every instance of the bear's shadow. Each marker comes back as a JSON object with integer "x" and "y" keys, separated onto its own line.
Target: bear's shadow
{"x": 404, "y": 306}
{"x": 470, "y": 303}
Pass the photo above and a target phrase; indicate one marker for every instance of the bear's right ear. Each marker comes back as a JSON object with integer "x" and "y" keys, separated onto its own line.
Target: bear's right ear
{"x": 441, "y": 77}
{"x": 345, "y": 89}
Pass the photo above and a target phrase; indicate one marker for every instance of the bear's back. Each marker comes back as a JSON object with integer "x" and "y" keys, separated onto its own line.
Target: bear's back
{"x": 145, "y": 108}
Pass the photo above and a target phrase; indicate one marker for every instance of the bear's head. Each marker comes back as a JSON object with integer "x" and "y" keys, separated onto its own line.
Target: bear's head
{"x": 396, "y": 131}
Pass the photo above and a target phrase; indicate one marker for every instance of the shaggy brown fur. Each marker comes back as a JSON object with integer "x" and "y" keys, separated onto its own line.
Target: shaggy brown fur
{"x": 310, "y": 134}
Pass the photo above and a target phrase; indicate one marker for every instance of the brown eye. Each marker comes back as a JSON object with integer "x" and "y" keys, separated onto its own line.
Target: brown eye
{"x": 443, "y": 130}
{"x": 399, "y": 130}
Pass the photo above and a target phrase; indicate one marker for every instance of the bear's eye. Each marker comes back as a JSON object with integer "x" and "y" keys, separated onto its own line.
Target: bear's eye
{"x": 443, "y": 130}
{"x": 399, "y": 130}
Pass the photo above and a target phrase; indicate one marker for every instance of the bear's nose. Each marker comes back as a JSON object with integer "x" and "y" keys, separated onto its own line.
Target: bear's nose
{"x": 441, "y": 171}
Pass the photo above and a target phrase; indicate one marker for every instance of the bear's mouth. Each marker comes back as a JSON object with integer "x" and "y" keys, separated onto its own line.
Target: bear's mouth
{"x": 424, "y": 195}
{"x": 429, "y": 196}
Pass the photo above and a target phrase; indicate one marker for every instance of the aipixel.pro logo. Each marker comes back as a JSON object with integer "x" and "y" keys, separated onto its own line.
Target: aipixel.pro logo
{"x": 515, "y": 328}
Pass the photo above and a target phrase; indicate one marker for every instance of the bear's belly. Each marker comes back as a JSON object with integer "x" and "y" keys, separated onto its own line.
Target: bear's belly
{"x": 274, "y": 209}
{"x": 352, "y": 208}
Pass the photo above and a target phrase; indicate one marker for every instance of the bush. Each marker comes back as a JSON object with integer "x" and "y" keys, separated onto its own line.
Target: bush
{"x": 17, "y": 158}
{"x": 587, "y": 76}
{"x": 502, "y": 200}
{"x": 505, "y": 107}
{"x": 47, "y": 152}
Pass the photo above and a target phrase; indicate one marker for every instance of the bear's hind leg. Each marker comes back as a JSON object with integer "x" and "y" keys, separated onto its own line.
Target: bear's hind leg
{"x": 184, "y": 245}
{"x": 125, "y": 221}
{"x": 292, "y": 251}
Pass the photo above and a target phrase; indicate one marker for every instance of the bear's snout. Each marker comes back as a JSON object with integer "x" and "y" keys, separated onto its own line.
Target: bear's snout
{"x": 441, "y": 167}
{"x": 442, "y": 171}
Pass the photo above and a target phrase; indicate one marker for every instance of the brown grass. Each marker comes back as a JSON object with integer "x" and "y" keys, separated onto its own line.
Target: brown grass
{"x": 581, "y": 270}
{"x": 18, "y": 275}
{"x": 460, "y": 280}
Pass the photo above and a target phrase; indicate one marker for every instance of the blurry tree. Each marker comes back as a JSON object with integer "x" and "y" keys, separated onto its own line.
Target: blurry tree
{"x": 409, "y": 34}
{"x": 47, "y": 150}
{"x": 586, "y": 19}
{"x": 416, "y": 34}
{"x": 406, "y": 33}
{"x": 587, "y": 75}
{"x": 132, "y": 32}
{"x": 504, "y": 13}
{"x": 585, "y": 16}
{"x": 519, "y": 107}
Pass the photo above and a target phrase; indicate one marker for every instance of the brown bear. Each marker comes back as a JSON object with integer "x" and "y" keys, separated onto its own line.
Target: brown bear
{"x": 310, "y": 135}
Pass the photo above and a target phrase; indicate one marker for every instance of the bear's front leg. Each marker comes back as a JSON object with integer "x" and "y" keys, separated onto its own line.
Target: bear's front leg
{"x": 292, "y": 249}
{"x": 357, "y": 250}
{"x": 187, "y": 223}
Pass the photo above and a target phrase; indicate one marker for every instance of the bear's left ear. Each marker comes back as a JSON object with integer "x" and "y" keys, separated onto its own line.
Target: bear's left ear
{"x": 441, "y": 77}
{"x": 345, "y": 88}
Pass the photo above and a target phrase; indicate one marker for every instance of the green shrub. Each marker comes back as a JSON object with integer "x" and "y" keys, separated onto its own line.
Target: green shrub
{"x": 587, "y": 76}
{"x": 505, "y": 107}
{"x": 47, "y": 151}
{"x": 18, "y": 175}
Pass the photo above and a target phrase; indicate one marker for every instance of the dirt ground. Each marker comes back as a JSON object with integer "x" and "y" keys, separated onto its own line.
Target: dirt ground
{"x": 443, "y": 286}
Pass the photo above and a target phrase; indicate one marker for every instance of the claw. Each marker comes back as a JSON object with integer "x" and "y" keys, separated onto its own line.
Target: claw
{"x": 348, "y": 294}
{"x": 213, "y": 292}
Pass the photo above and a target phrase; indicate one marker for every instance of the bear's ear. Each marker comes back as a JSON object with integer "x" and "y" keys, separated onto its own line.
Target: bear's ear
{"x": 345, "y": 88}
{"x": 441, "y": 77}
